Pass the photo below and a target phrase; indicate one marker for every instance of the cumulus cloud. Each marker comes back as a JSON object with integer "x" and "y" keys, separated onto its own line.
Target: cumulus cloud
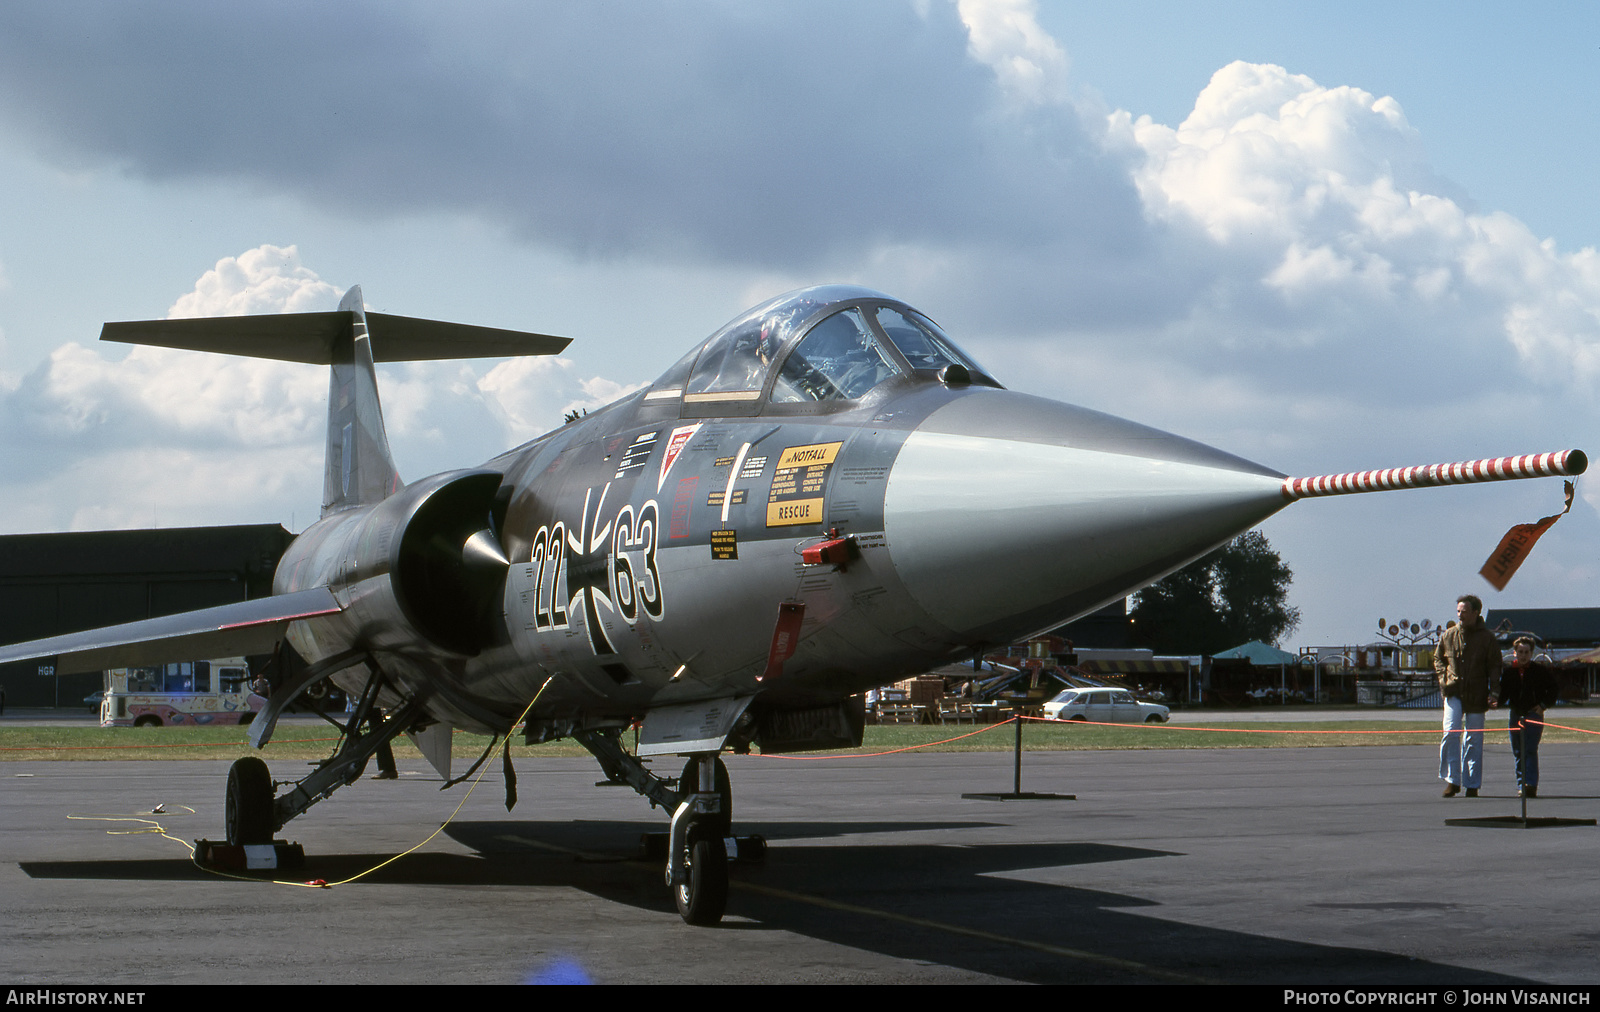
{"x": 531, "y": 395}
{"x": 1327, "y": 225}
{"x": 77, "y": 394}
{"x": 157, "y": 394}
{"x": 267, "y": 279}
{"x": 175, "y": 437}
{"x": 1005, "y": 35}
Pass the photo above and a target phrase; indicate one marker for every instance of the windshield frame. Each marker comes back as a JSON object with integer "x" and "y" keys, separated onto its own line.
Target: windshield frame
{"x": 779, "y": 326}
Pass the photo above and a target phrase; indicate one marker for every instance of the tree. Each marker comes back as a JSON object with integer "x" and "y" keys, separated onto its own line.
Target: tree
{"x": 1238, "y": 593}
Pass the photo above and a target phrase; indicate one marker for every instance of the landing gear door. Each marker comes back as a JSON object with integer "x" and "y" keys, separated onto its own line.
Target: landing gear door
{"x": 434, "y": 744}
{"x": 690, "y": 727}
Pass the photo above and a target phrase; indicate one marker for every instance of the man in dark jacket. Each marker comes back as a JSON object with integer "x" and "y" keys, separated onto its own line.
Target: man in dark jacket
{"x": 1468, "y": 666}
{"x": 1527, "y": 687}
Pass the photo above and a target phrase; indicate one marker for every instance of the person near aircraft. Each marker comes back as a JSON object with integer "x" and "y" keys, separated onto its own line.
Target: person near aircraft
{"x": 1467, "y": 664}
{"x": 1526, "y": 687}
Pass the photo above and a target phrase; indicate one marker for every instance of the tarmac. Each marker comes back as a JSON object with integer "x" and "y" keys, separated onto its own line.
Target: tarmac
{"x": 74, "y": 717}
{"x": 1325, "y": 866}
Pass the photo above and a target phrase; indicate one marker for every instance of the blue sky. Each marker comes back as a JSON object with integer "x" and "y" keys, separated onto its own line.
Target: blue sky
{"x": 1325, "y": 237}
{"x": 1498, "y": 91}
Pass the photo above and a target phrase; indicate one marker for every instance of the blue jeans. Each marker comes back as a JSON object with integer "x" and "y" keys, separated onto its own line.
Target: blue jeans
{"x": 1525, "y": 746}
{"x": 1461, "y": 748}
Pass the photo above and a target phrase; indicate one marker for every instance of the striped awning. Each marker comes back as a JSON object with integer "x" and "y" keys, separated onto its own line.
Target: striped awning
{"x": 1165, "y": 666}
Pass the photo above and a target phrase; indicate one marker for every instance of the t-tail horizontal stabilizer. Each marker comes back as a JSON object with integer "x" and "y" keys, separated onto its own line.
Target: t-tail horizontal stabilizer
{"x": 309, "y": 337}
{"x": 359, "y": 468}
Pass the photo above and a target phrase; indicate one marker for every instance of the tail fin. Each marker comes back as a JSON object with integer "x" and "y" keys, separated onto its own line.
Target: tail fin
{"x": 359, "y": 468}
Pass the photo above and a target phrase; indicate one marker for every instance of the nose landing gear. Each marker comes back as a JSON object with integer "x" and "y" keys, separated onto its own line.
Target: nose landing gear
{"x": 700, "y": 842}
{"x": 697, "y": 863}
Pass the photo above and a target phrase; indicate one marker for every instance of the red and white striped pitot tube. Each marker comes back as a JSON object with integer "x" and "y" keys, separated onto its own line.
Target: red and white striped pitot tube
{"x": 1466, "y": 472}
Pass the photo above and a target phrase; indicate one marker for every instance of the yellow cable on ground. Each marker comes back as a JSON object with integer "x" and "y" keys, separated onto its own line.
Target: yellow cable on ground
{"x": 157, "y": 828}
{"x": 477, "y": 780}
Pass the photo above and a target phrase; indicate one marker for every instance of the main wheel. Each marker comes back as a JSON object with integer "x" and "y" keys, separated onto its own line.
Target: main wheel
{"x": 703, "y": 895}
{"x": 689, "y": 782}
{"x": 247, "y": 816}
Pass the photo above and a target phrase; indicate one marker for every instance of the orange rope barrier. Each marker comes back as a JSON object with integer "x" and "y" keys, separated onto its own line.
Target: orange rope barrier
{"x": 1235, "y": 730}
{"x": 908, "y": 748}
{"x": 1580, "y": 730}
{"x": 193, "y": 744}
{"x": 1147, "y": 727}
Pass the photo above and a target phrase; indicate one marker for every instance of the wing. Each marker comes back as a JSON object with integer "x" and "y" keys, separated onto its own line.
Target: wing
{"x": 229, "y": 630}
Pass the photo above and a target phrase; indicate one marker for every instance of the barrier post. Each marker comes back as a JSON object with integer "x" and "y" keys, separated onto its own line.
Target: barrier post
{"x": 1017, "y": 793}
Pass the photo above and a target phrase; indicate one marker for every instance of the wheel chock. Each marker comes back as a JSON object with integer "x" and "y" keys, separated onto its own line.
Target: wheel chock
{"x": 250, "y": 856}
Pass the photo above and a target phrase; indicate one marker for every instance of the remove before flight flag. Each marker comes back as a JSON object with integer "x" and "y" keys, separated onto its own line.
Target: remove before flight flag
{"x": 1516, "y": 545}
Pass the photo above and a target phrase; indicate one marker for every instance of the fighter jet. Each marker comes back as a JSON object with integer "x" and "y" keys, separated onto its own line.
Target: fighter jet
{"x": 824, "y": 496}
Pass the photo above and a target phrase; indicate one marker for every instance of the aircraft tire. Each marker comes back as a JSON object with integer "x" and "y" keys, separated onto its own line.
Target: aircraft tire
{"x": 247, "y": 816}
{"x": 722, "y": 822}
{"x": 703, "y": 896}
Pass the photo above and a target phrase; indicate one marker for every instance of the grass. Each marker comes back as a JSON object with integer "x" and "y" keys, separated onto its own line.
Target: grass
{"x": 1049, "y": 737}
{"x": 99, "y": 744}
{"x": 113, "y": 743}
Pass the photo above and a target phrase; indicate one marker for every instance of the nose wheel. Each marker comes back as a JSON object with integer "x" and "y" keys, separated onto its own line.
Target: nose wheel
{"x": 702, "y": 896}
{"x": 697, "y": 865}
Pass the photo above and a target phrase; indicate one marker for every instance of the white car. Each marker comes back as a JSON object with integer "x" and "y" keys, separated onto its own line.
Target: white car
{"x": 1106, "y": 706}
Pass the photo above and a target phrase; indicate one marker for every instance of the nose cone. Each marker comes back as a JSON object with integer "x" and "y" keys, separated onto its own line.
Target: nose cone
{"x": 1006, "y": 514}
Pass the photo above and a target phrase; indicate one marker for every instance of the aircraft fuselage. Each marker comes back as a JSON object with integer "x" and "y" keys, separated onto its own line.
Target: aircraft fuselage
{"x": 650, "y": 552}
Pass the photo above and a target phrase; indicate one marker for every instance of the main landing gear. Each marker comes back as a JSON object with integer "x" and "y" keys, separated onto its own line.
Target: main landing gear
{"x": 247, "y": 814}
{"x": 700, "y": 842}
{"x": 252, "y": 815}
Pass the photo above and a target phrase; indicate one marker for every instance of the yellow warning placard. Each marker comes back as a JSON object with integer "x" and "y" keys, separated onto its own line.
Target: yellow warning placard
{"x": 794, "y": 511}
{"x": 816, "y": 453}
{"x": 795, "y": 496}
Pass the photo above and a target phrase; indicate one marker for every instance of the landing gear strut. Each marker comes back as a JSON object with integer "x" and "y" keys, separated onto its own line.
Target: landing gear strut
{"x": 697, "y": 863}
{"x": 252, "y": 815}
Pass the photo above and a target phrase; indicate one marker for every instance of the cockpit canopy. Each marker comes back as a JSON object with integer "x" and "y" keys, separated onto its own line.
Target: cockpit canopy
{"x": 818, "y": 348}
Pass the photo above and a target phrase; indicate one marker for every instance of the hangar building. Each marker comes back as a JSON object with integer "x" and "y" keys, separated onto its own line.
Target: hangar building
{"x": 59, "y": 583}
